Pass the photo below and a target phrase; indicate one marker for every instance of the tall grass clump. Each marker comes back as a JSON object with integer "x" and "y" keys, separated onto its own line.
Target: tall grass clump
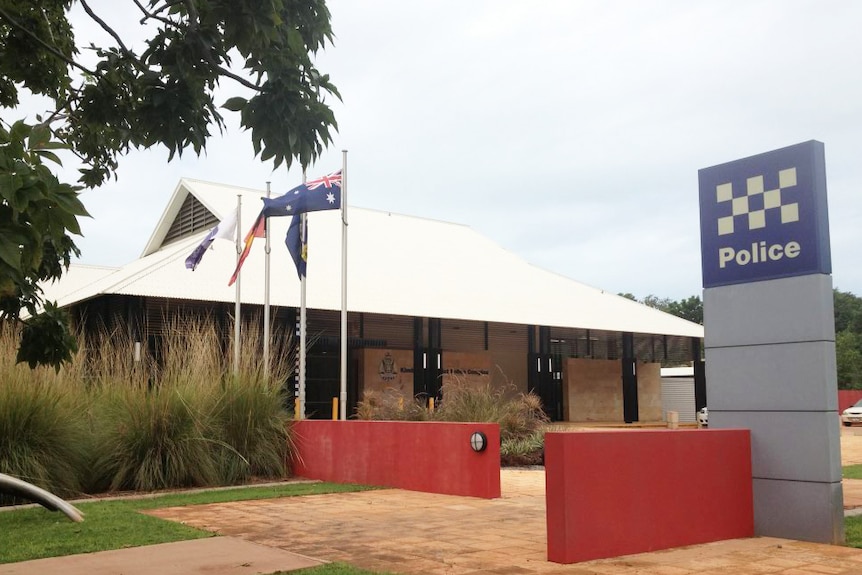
{"x": 154, "y": 438}
{"x": 192, "y": 421}
{"x": 181, "y": 416}
{"x": 249, "y": 412}
{"x": 43, "y": 432}
{"x": 520, "y": 415}
{"x": 391, "y": 405}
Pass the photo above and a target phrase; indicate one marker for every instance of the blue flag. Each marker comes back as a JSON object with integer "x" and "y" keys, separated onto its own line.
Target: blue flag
{"x": 224, "y": 229}
{"x": 297, "y": 244}
{"x": 315, "y": 195}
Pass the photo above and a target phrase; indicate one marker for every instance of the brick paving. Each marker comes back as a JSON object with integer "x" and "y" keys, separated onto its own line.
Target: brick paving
{"x": 417, "y": 533}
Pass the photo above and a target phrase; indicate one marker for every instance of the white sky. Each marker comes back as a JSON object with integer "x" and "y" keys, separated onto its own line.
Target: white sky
{"x": 569, "y": 132}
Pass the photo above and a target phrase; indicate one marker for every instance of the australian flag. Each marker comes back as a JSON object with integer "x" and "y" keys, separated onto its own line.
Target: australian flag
{"x": 297, "y": 244}
{"x": 312, "y": 196}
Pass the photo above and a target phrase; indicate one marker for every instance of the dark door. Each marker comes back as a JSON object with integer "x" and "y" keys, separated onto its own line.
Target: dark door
{"x": 545, "y": 380}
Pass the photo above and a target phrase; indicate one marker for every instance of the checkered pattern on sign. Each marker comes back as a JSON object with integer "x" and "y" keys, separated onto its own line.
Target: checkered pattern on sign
{"x": 741, "y": 206}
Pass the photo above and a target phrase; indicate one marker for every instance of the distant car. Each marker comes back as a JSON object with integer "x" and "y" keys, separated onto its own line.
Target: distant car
{"x": 852, "y": 414}
{"x": 703, "y": 417}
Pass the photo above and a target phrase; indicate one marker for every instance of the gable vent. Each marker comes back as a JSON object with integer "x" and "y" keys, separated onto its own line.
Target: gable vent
{"x": 192, "y": 218}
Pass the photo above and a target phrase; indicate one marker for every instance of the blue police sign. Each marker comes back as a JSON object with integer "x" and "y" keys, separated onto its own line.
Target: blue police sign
{"x": 765, "y": 217}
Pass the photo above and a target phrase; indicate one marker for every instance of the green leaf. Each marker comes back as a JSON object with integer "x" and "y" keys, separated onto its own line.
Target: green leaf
{"x": 235, "y": 104}
{"x": 50, "y": 156}
{"x": 10, "y": 253}
{"x": 39, "y": 136}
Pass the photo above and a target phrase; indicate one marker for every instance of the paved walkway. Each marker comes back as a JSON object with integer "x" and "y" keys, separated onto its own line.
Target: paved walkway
{"x": 425, "y": 534}
{"x": 409, "y": 532}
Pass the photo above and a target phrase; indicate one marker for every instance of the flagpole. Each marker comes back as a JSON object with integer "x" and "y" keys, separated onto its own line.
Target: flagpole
{"x": 342, "y": 403}
{"x": 236, "y": 326}
{"x": 266, "y": 295}
{"x": 303, "y": 316}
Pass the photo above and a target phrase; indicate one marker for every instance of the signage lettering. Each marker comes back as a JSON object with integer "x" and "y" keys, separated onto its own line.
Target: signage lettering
{"x": 759, "y": 253}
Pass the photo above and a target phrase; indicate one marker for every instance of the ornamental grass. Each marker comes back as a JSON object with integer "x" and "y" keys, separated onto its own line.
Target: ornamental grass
{"x": 520, "y": 415}
{"x": 179, "y": 417}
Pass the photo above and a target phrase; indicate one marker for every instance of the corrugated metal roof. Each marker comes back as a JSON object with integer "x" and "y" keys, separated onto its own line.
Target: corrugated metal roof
{"x": 397, "y": 264}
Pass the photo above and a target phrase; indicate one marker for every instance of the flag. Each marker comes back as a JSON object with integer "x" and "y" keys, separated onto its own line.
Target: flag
{"x": 297, "y": 244}
{"x": 314, "y": 195}
{"x": 225, "y": 229}
{"x": 257, "y": 231}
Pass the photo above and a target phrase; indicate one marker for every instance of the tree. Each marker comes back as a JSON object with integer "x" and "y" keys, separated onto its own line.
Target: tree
{"x": 848, "y": 339}
{"x": 161, "y": 95}
{"x": 848, "y": 355}
{"x": 690, "y": 308}
{"x": 848, "y": 311}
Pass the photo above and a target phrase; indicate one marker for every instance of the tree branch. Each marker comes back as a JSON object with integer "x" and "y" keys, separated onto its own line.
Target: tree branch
{"x": 155, "y": 15}
{"x": 5, "y": 15}
{"x": 240, "y": 79}
{"x": 168, "y": 6}
{"x": 106, "y": 28}
{"x": 193, "y": 14}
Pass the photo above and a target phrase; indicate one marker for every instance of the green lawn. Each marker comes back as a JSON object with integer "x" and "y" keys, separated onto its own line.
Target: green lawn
{"x": 853, "y": 531}
{"x": 852, "y": 525}
{"x": 852, "y": 471}
{"x": 37, "y": 533}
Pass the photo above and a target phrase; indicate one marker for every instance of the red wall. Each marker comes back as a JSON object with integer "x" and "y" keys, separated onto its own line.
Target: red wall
{"x": 615, "y": 493}
{"x": 847, "y": 397}
{"x": 434, "y": 457}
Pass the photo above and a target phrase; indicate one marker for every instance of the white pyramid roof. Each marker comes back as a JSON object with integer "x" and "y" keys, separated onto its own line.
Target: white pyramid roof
{"x": 397, "y": 264}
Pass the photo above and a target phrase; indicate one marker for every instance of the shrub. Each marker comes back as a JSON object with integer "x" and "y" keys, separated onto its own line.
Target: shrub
{"x": 43, "y": 438}
{"x": 524, "y": 451}
{"x": 155, "y": 438}
{"x": 196, "y": 423}
{"x": 391, "y": 405}
{"x": 104, "y": 421}
{"x": 253, "y": 428}
{"x": 43, "y": 434}
{"x": 520, "y": 415}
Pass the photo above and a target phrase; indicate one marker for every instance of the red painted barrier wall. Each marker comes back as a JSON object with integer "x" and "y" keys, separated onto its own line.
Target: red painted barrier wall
{"x": 615, "y": 493}
{"x": 847, "y": 397}
{"x": 434, "y": 457}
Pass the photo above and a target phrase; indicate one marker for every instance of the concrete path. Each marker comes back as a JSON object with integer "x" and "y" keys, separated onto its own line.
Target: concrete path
{"x": 214, "y": 556}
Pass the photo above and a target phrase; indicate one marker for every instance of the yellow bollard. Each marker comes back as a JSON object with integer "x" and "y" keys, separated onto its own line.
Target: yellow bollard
{"x": 431, "y": 404}
{"x": 334, "y": 409}
{"x": 296, "y": 413}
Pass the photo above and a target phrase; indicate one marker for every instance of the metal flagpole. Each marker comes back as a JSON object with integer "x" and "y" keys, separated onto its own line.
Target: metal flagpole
{"x": 238, "y": 280}
{"x": 302, "y": 318}
{"x": 266, "y": 295}
{"x": 342, "y": 402}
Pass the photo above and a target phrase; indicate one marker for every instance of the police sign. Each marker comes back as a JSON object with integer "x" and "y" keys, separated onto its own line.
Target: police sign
{"x": 765, "y": 217}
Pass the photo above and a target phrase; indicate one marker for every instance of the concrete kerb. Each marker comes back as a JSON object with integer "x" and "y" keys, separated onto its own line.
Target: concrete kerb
{"x": 156, "y": 494}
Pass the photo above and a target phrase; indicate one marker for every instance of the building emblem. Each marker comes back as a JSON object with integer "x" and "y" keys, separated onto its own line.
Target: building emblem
{"x": 388, "y": 370}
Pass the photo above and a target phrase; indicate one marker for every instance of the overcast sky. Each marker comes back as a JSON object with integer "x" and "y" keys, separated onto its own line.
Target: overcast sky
{"x": 569, "y": 132}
